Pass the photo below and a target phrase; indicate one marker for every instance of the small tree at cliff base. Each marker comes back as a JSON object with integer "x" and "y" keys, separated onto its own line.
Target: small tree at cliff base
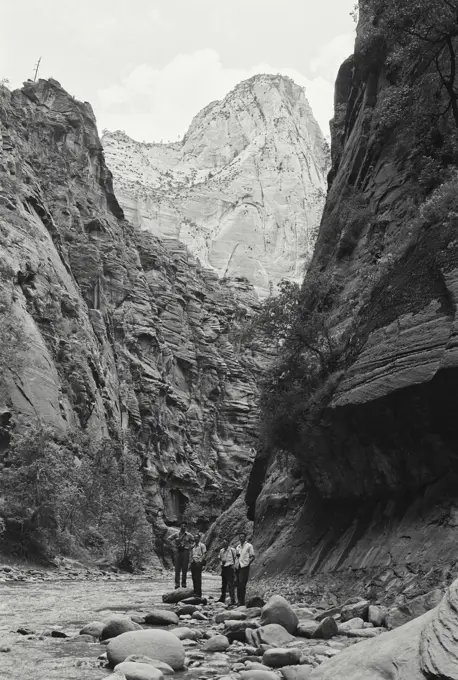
{"x": 65, "y": 494}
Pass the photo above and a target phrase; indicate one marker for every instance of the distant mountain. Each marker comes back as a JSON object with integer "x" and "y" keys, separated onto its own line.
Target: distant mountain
{"x": 244, "y": 189}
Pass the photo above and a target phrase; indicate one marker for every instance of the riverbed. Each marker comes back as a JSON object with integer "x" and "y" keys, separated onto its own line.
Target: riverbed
{"x": 67, "y": 606}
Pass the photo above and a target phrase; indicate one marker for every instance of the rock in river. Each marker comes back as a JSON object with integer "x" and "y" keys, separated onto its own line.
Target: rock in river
{"x": 157, "y": 644}
{"x": 161, "y": 617}
{"x": 117, "y": 626}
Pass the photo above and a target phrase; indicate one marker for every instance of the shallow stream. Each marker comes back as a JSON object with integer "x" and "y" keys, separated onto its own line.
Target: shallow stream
{"x": 68, "y": 606}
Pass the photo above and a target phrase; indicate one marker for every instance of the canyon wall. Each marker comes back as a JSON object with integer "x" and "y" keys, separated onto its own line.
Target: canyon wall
{"x": 369, "y": 498}
{"x": 244, "y": 189}
{"x": 119, "y": 329}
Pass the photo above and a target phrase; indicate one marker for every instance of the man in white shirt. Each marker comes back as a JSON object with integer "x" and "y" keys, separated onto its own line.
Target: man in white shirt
{"x": 227, "y": 558}
{"x": 245, "y": 556}
{"x": 199, "y": 554}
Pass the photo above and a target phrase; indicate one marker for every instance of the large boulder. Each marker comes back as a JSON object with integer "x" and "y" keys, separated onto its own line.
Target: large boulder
{"x": 161, "y": 617}
{"x": 157, "y": 644}
{"x": 278, "y": 610}
{"x": 117, "y": 626}
{"x": 273, "y": 634}
{"x": 138, "y": 671}
{"x": 398, "y": 616}
{"x": 277, "y": 658}
{"x": 177, "y": 595}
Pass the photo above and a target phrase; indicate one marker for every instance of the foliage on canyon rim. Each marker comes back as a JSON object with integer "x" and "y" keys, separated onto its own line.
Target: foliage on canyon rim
{"x": 66, "y": 494}
{"x": 296, "y": 322}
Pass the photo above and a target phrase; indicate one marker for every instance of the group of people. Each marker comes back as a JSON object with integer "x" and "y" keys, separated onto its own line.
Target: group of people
{"x": 235, "y": 564}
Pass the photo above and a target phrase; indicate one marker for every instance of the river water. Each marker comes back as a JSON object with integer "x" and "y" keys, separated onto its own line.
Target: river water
{"x": 68, "y": 606}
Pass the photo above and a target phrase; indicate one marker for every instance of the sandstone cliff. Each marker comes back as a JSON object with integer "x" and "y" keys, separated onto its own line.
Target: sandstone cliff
{"x": 119, "y": 328}
{"x": 244, "y": 189}
{"x": 371, "y": 495}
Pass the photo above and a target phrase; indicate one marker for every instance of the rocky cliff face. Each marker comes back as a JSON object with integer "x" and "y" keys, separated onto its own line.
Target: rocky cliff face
{"x": 120, "y": 329}
{"x": 244, "y": 189}
{"x": 371, "y": 496}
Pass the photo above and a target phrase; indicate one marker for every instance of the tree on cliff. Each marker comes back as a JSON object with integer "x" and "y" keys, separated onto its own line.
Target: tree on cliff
{"x": 426, "y": 32}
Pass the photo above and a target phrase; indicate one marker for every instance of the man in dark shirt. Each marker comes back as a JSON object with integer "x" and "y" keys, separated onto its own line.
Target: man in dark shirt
{"x": 183, "y": 542}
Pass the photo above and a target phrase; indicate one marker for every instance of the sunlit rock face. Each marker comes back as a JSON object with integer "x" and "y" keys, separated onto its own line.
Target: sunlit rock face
{"x": 121, "y": 329}
{"x": 244, "y": 189}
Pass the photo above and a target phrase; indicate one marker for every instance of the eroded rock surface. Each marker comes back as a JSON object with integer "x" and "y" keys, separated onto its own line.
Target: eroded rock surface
{"x": 119, "y": 327}
{"x": 245, "y": 187}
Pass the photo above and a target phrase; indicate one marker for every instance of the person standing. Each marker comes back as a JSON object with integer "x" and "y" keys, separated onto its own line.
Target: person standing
{"x": 183, "y": 543}
{"x": 245, "y": 557}
{"x": 227, "y": 558}
{"x": 199, "y": 554}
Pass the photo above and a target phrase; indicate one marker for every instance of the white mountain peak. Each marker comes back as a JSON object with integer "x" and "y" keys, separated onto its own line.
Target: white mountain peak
{"x": 245, "y": 187}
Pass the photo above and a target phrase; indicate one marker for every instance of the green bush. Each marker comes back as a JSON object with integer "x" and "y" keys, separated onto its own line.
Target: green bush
{"x": 66, "y": 494}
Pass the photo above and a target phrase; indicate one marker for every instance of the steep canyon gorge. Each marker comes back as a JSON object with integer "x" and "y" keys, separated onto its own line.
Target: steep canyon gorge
{"x": 120, "y": 330}
{"x": 367, "y": 499}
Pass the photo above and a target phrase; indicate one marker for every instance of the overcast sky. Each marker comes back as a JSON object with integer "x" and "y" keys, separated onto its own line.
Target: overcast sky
{"x": 148, "y": 66}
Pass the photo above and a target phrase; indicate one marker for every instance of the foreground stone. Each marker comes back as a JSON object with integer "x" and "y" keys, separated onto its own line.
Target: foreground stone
{"x": 185, "y": 633}
{"x": 157, "y": 644}
{"x": 117, "y": 626}
{"x": 278, "y": 610}
{"x": 138, "y": 671}
{"x": 178, "y": 595}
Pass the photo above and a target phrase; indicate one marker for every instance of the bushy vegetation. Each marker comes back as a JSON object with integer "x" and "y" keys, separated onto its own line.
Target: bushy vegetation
{"x": 68, "y": 495}
{"x": 296, "y": 322}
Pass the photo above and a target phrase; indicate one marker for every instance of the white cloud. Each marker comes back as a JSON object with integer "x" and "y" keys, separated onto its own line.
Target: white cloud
{"x": 158, "y": 103}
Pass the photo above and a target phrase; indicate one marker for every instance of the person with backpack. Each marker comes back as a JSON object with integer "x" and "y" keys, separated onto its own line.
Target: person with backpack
{"x": 245, "y": 556}
{"x": 227, "y": 558}
{"x": 198, "y": 559}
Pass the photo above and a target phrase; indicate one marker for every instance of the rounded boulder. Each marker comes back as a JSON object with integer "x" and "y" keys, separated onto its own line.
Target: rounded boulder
{"x": 157, "y": 644}
{"x": 277, "y": 658}
{"x": 278, "y": 610}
